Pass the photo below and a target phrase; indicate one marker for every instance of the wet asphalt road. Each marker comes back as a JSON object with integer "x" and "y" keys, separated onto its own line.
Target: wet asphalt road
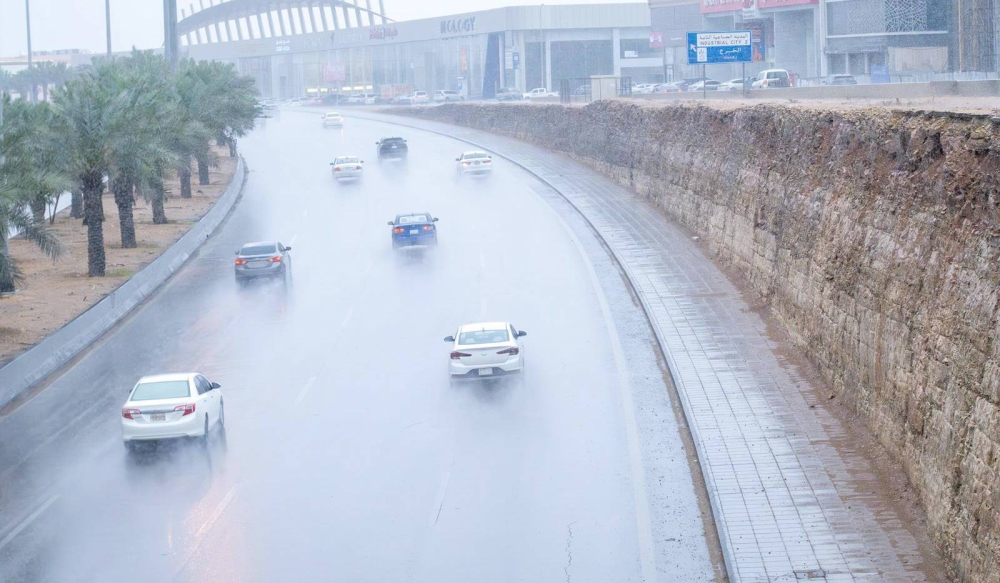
{"x": 347, "y": 454}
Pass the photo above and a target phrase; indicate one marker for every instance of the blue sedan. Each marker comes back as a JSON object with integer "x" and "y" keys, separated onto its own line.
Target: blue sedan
{"x": 413, "y": 229}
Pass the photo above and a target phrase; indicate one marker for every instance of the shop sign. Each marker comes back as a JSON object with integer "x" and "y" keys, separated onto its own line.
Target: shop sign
{"x": 459, "y": 26}
{"x": 383, "y": 32}
{"x": 764, "y": 4}
{"x": 656, "y": 40}
{"x": 750, "y": 10}
{"x": 721, "y": 5}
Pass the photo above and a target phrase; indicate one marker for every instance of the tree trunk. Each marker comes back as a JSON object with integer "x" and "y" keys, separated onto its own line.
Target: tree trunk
{"x": 202, "y": 169}
{"x": 185, "y": 177}
{"x": 76, "y": 204}
{"x": 38, "y": 209}
{"x": 159, "y": 216}
{"x": 93, "y": 215}
{"x": 125, "y": 201}
{"x": 55, "y": 208}
{"x": 6, "y": 283}
{"x": 232, "y": 148}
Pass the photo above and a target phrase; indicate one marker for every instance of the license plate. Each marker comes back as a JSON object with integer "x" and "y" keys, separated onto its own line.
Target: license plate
{"x": 158, "y": 417}
{"x": 257, "y": 264}
{"x": 414, "y": 231}
{"x": 485, "y": 372}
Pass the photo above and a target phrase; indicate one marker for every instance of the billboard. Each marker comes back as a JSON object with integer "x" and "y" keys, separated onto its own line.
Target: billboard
{"x": 656, "y": 40}
{"x": 765, "y": 4}
{"x": 334, "y": 71}
{"x": 748, "y": 6}
{"x": 731, "y": 46}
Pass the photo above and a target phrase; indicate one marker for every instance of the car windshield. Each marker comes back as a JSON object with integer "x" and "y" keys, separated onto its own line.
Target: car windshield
{"x": 413, "y": 219}
{"x": 153, "y": 391}
{"x": 347, "y": 160}
{"x": 333, "y": 115}
{"x": 483, "y": 337}
{"x": 474, "y": 155}
{"x": 392, "y": 141}
{"x": 258, "y": 250}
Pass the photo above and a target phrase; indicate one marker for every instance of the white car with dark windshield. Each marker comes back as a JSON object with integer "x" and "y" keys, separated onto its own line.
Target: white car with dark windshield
{"x": 348, "y": 167}
{"x": 172, "y": 406}
{"x": 475, "y": 162}
{"x": 486, "y": 350}
{"x": 333, "y": 119}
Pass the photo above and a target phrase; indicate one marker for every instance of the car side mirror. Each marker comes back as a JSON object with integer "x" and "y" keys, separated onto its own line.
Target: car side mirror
{"x": 490, "y": 157}
{"x": 522, "y": 333}
{"x": 362, "y": 161}
{"x": 237, "y": 252}
{"x": 458, "y": 159}
{"x": 434, "y": 219}
{"x": 288, "y": 248}
{"x": 449, "y": 338}
{"x": 390, "y": 223}
{"x": 216, "y": 386}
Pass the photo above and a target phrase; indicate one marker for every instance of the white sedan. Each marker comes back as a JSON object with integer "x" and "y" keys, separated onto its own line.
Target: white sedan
{"x": 333, "y": 119}
{"x": 172, "y": 406}
{"x": 348, "y": 167}
{"x": 486, "y": 350}
{"x": 474, "y": 162}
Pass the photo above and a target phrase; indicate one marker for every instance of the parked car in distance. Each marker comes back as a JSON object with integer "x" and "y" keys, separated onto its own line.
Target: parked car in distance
{"x": 443, "y": 95}
{"x": 643, "y": 88}
{"x": 672, "y": 87}
{"x": 840, "y": 80}
{"x": 540, "y": 92}
{"x": 771, "y": 78}
{"x": 732, "y": 85}
{"x": 345, "y": 167}
{"x": 392, "y": 149}
{"x": 509, "y": 94}
{"x": 413, "y": 229}
{"x": 268, "y": 259}
{"x": 333, "y": 118}
{"x": 704, "y": 85}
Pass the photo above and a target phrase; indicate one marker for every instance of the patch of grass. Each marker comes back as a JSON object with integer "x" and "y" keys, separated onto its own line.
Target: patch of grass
{"x": 121, "y": 272}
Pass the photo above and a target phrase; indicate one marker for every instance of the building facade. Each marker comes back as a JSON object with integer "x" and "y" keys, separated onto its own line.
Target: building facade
{"x": 473, "y": 53}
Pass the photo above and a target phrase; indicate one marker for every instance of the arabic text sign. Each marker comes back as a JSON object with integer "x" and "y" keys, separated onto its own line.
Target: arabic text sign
{"x": 706, "y": 48}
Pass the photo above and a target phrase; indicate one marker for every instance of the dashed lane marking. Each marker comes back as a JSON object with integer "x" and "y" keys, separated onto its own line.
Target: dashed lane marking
{"x": 304, "y": 391}
{"x": 27, "y": 521}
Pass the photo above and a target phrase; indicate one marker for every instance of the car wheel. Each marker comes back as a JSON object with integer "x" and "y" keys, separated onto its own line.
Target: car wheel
{"x": 204, "y": 434}
{"x": 222, "y": 415}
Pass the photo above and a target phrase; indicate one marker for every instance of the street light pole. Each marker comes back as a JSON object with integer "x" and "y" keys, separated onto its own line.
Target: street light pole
{"x": 27, "y": 23}
{"x": 107, "y": 21}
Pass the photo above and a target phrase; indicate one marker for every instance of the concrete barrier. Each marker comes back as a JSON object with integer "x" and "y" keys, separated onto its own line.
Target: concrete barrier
{"x": 61, "y": 346}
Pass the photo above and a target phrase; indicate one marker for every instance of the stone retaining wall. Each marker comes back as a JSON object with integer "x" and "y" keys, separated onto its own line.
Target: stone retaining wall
{"x": 872, "y": 235}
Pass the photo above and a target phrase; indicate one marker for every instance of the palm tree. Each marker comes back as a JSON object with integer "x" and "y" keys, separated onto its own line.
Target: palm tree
{"x": 21, "y": 177}
{"x": 93, "y": 122}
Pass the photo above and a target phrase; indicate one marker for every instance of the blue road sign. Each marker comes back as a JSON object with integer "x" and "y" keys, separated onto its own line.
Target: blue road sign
{"x": 731, "y": 46}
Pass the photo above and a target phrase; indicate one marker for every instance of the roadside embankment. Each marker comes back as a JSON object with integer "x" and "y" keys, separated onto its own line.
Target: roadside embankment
{"x": 873, "y": 237}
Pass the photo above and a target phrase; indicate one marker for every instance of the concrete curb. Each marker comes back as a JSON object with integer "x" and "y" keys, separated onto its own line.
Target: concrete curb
{"x": 728, "y": 552}
{"x": 58, "y": 348}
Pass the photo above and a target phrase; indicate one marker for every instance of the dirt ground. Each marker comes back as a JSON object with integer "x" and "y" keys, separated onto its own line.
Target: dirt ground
{"x": 55, "y": 292}
{"x": 977, "y": 105}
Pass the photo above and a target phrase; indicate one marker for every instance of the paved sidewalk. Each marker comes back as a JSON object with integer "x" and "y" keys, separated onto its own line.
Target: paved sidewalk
{"x": 788, "y": 505}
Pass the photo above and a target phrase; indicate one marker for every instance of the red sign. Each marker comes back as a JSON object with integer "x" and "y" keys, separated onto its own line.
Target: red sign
{"x": 764, "y": 4}
{"x": 334, "y": 71}
{"x": 656, "y": 40}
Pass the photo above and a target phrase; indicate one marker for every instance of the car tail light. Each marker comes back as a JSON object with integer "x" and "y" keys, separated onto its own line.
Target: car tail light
{"x": 428, "y": 227}
{"x": 465, "y": 163}
{"x": 486, "y": 161}
{"x": 513, "y": 351}
{"x": 275, "y": 259}
{"x": 398, "y": 230}
{"x": 128, "y": 413}
{"x": 336, "y": 168}
{"x": 457, "y": 355}
{"x": 241, "y": 262}
{"x": 188, "y": 409}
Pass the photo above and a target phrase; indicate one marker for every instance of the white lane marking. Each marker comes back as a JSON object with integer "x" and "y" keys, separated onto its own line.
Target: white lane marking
{"x": 302, "y": 393}
{"x": 294, "y": 237}
{"x": 217, "y": 513}
{"x": 644, "y": 531}
{"x": 347, "y": 319}
{"x": 439, "y": 499}
{"x": 27, "y": 521}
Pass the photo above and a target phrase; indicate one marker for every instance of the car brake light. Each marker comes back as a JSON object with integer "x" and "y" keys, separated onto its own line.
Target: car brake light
{"x": 336, "y": 168}
{"x": 275, "y": 259}
{"x": 457, "y": 355}
{"x": 241, "y": 262}
{"x": 486, "y": 161}
{"x": 513, "y": 350}
{"x": 398, "y": 230}
{"x": 188, "y": 409}
{"x": 465, "y": 163}
{"x": 428, "y": 227}
{"x": 128, "y": 413}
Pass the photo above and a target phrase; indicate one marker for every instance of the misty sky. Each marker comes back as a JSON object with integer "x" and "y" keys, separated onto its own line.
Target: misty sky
{"x": 79, "y": 24}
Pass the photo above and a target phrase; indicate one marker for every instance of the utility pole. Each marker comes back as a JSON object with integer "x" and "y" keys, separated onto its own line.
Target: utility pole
{"x": 27, "y": 22}
{"x": 170, "y": 32}
{"x": 107, "y": 20}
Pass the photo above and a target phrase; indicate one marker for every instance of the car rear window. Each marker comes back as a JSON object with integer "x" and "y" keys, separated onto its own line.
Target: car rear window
{"x": 258, "y": 250}
{"x": 347, "y": 160}
{"x": 777, "y": 75}
{"x": 392, "y": 141}
{"x": 161, "y": 390}
{"x": 412, "y": 219}
{"x": 483, "y": 337}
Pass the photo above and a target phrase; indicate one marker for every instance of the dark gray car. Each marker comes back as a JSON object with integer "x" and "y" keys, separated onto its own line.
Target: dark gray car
{"x": 268, "y": 259}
